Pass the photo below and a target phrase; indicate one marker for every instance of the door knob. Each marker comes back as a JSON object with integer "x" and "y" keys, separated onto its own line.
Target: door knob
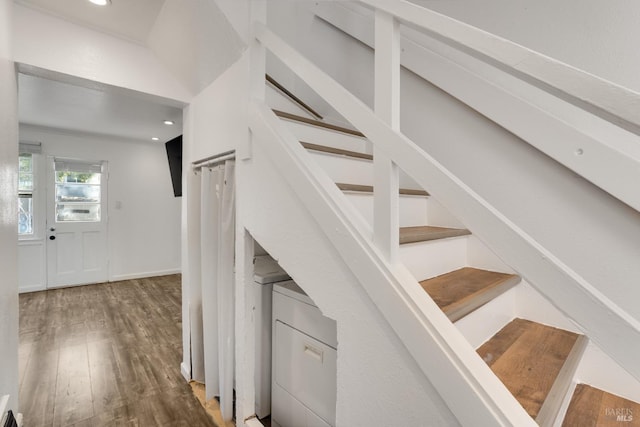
{"x": 52, "y": 237}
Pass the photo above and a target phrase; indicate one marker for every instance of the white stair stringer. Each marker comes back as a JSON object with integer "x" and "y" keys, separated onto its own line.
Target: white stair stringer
{"x": 303, "y": 217}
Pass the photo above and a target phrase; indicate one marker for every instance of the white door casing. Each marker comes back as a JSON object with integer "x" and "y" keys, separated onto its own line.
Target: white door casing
{"x": 76, "y": 234}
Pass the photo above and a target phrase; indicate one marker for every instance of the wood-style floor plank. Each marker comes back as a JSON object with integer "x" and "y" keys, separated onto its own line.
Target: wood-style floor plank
{"x": 105, "y": 355}
{"x": 592, "y": 407}
{"x": 527, "y": 357}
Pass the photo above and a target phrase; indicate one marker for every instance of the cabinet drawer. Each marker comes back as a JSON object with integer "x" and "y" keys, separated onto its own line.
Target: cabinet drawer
{"x": 306, "y": 369}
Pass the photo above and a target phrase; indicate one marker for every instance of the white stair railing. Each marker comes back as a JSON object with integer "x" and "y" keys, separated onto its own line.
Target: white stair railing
{"x": 578, "y": 299}
{"x": 605, "y": 134}
{"x": 465, "y": 382}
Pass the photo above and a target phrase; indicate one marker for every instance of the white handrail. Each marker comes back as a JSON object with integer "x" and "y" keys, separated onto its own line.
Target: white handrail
{"x": 577, "y": 298}
{"x": 606, "y": 99}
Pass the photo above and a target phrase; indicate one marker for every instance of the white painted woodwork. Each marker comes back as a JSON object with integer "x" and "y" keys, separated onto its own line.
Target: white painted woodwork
{"x": 8, "y": 209}
{"x": 374, "y": 368}
{"x": 463, "y": 381}
{"x": 531, "y": 305}
{"x": 586, "y": 305}
{"x": 600, "y": 371}
{"x": 439, "y": 216}
{"x": 480, "y": 256}
{"x": 278, "y": 101}
{"x": 342, "y": 169}
{"x": 387, "y": 107}
{"x": 328, "y": 137}
{"x": 536, "y": 115}
{"x": 77, "y": 251}
{"x": 246, "y": 325}
{"x": 412, "y": 209}
{"x": 32, "y": 272}
{"x": 425, "y": 260}
{"x": 592, "y": 93}
{"x": 484, "y": 322}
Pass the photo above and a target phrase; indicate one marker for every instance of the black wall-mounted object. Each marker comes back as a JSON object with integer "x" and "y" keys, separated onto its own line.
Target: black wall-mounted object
{"x": 174, "y": 155}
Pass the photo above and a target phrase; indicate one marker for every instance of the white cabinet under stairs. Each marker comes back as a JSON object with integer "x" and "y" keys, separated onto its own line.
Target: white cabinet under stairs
{"x": 538, "y": 354}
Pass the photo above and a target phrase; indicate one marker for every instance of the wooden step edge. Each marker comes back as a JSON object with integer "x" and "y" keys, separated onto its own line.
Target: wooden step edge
{"x": 338, "y": 151}
{"x": 470, "y": 303}
{"x": 433, "y": 233}
{"x": 312, "y": 122}
{"x": 551, "y": 406}
{"x": 291, "y": 96}
{"x": 369, "y": 189}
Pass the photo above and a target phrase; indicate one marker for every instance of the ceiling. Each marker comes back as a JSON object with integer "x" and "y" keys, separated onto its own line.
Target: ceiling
{"x": 92, "y": 108}
{"x": 129, "y": 19}
{"x": 96, "y": 110}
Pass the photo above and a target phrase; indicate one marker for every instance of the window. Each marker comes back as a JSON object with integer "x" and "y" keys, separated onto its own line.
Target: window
{"x": 25, "y": 194}
{"x": 77, "y": 191}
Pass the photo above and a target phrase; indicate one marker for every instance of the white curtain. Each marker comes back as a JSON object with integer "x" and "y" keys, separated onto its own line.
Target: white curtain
{"x": 217, "y": 252}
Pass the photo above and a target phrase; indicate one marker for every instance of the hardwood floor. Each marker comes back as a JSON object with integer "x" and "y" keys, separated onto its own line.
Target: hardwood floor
{"x": 105, "y": 355}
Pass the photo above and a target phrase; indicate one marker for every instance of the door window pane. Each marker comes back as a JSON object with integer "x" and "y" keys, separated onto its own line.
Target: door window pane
{"x": 77, "y": 194}
{"x": 25, "y": 194}
{"x": 25, "y": 214}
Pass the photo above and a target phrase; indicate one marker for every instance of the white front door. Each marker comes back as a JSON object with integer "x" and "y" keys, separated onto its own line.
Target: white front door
{"x": 76, "y": 222}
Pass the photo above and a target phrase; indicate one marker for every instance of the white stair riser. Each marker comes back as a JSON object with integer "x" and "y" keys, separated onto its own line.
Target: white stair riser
{"x": 412, "y": 212}
{"x": 433, "y": 258}
{"x": 479, "y": 256}
{"x": 600, "y": 371}
{"x": 484, "y": 322}
{"x": 329, "y": 138}
{"x": 277, "y": 101}
{"x": 344, "y": 169}
{"x": 531, "y": 305}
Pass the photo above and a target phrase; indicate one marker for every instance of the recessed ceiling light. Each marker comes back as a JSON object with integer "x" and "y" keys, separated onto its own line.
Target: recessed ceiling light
{"x": 155, "y": 138}
{"x": 100, "y": 2}
{"x": 169, "y": 122}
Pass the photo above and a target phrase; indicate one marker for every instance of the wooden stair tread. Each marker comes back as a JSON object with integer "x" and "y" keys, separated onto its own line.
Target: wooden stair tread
{"x": 527, "y": 357}
{"x": 333, "y": 150}
{"x": 460, "y": 292}
{"x": 425, "y": 233}
{"x": 591, "y": 407}
{"x": 318, "y": 123}
{"x": 369, "y": 189}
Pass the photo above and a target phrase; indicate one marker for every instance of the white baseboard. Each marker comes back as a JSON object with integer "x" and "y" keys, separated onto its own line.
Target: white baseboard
{"x": 32, "y": 288}
{"x": 118, "y": 277}
{"x": 186, "y": 371}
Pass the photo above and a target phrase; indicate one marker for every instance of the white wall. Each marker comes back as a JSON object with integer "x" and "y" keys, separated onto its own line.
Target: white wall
{"x": 598, "y": 38}
{"x": 8, "y": 211}
{"x": 144, "y": 216}
{"x": 194, "y": 40}
{"x": 50, "y": 43}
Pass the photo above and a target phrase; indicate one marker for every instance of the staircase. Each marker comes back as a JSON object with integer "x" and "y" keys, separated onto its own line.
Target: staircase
{"x": 527, "y": 343}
